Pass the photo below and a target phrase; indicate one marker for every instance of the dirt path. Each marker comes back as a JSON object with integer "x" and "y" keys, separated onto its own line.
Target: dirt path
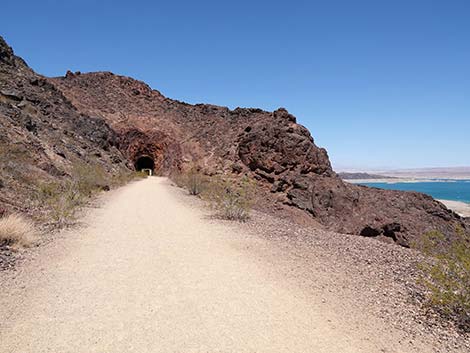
{"x": 149, "y": 273}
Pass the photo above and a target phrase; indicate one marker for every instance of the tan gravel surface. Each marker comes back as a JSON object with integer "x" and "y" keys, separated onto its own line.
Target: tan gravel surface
{"x": 149, "y": 272}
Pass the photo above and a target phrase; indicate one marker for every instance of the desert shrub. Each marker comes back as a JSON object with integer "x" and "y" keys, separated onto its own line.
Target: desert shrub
{"x": 139, "y": 175}
{"x": 193, "y": 181}
{"x": 179, "y": 179}
{"x": 60, "y": 200}
{"x": 88, "y": 178}
{"x": 16, "y": 231}
{"x": 231, "y": 198}
{"x": 446, "y": 276}
{"x": 124, "y": 177}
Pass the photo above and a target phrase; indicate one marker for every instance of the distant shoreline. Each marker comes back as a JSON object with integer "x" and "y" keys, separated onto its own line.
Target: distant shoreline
{"x": 459, "y": 207}
{"x": 404, "y": 180}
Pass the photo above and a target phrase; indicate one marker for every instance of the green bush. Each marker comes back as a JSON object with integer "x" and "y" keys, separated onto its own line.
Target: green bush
{"x": 446, "y": 276}
{"x": 231, "y": 198}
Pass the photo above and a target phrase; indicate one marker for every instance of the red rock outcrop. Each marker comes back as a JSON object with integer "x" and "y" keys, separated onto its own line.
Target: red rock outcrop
{"x": 159, "y": 147}
{"x": 47, "y": 124}
{"x": 268, "y": 146}
{"x": 42, "y": 134}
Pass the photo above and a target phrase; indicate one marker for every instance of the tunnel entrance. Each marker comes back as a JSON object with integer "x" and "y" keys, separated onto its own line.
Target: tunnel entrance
{"x": 145, "y": 164}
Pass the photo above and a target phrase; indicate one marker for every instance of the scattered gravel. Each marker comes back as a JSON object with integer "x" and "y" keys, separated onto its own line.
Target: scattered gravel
{"x": 380, "y": 276}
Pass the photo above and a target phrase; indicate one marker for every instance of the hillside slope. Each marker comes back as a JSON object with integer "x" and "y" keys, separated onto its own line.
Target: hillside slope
{"x": 42, "y": 135}
{"x": 270, "y": 147}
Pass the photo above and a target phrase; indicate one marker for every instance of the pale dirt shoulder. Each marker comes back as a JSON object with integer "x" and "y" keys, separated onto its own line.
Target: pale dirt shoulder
{"x": 361, "y": 278}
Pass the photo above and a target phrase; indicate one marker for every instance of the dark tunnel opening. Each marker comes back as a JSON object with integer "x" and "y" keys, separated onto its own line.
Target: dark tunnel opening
{"x": 145, "y": 164}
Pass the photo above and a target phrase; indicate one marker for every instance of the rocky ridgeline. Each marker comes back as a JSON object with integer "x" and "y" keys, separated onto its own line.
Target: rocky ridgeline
{"x": 42, "y": 134}
{"x": 268, "y": 146}
{"x": 117, "y": 119}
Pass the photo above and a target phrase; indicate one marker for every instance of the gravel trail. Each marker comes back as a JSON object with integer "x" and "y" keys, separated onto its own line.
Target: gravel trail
{"x": 149, "y": 272}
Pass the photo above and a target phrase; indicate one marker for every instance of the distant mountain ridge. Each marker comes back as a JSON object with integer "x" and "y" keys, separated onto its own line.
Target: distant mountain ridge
{"x": 359, "y": 176}
{"x": 437, "y": 172}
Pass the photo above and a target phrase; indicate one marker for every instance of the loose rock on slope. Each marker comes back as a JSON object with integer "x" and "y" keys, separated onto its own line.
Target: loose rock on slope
{"x": 42, "y": 134}
{"x": 268, "y": 146}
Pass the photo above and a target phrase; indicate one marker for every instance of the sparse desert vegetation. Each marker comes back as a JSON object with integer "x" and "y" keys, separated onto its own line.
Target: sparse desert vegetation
{"x": 446, "y": 276}
{"x": 193, "y": 180}
{"x": 60, "y": 200}
{"x": 16, "y": 231}
{"x": 231, "y": 198}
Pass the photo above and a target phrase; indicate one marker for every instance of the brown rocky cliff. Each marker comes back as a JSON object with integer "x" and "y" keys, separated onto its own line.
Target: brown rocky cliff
{"x": 42, "y": 134}
{"x": 268, "y": 146}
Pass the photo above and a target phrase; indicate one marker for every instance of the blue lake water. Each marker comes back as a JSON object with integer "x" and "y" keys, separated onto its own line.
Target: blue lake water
{"x": 456, "y": 190}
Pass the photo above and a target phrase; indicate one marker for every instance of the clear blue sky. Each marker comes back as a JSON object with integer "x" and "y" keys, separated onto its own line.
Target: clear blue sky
{"x": 378, "y": 83}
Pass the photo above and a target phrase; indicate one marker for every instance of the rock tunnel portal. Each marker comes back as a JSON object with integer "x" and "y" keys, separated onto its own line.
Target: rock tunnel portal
{"x": 145, "y": 164}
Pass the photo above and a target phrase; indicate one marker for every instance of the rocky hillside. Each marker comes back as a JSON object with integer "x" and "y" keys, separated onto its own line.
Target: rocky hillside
{"x": 47, "y": 125}
{"x": 42, "y": 135}
{"x": 268, "y": 146}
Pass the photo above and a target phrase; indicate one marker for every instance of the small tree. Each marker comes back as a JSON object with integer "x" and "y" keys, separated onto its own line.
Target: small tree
{"x": 446, "y": 276}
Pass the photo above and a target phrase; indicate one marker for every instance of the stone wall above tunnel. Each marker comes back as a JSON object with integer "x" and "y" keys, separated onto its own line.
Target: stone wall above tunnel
{"x": 161, "y": 148}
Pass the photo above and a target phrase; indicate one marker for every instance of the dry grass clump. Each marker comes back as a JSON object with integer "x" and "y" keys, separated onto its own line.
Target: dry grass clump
{"x": 61, "y": 199}
{"x": 193, "y": 181}
{"x": 446, "y": 276}
{"x": 89, "y": 178}
{"x": 231, "y": 198}
{"x": 196, "y": 182}
{"x": 16, "y": 231}
{"x": 125, "y": 177}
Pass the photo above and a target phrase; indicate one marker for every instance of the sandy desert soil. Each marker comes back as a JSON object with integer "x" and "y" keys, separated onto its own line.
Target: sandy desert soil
{"x": 461, "y": 208}
{"x": 152, "y": 271}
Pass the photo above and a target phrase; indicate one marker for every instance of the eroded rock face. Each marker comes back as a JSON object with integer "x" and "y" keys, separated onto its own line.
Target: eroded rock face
{"x": 284, "y": 146}
{"x": 164, "y": 152}
{"x": 270, "y": 147}
{"x": 42, "y": 134}
{"x": 47, "y": 124}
